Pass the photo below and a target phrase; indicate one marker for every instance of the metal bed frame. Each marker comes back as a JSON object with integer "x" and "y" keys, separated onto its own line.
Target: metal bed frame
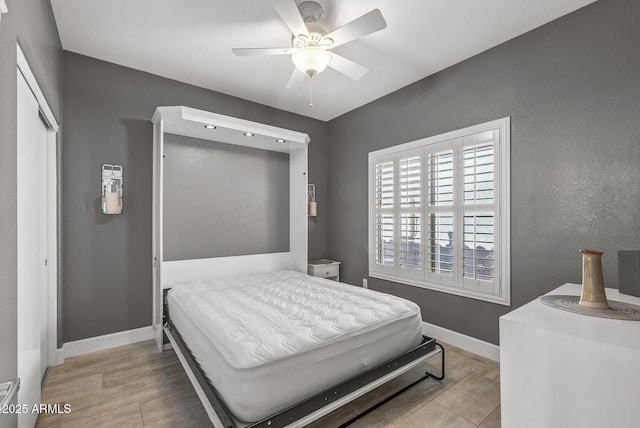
{"x": 325, "y": 398}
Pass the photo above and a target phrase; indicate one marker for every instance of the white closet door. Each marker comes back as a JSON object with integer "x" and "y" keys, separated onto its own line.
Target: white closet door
{"x": 32, "y": 247}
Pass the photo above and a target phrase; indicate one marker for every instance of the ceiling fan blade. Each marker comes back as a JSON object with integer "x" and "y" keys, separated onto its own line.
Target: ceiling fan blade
{"x": 366, "y": 24}
{"x": 288, "y": 11}
{"x": 261, "y": 51}
{"x": 296, "y": 79}
{"x": 348, "y": 67}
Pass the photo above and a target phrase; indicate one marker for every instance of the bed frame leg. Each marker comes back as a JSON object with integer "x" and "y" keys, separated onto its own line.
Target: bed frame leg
{"x": 442, "y": 365}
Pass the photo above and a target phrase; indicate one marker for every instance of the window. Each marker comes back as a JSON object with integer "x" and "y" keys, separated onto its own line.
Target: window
{"x": 439, "y": 212}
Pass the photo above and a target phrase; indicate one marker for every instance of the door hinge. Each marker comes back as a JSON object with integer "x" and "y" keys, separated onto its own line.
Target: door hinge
{"x": 46, "y": 262}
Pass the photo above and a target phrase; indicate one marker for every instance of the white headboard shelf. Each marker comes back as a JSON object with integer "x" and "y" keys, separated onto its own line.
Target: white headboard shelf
{"x": 215, "y": 127}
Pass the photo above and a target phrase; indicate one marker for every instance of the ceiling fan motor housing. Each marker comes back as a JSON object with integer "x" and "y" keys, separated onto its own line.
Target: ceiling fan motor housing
{"x": 310, "y": 11}
{"x": 315, "y": 38}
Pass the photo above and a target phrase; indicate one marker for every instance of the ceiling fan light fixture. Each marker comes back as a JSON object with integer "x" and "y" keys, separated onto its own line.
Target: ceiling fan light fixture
{"x": 311, "y": 60}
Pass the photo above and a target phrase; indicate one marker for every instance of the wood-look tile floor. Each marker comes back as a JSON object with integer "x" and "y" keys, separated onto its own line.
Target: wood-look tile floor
{"x": 136, "y": 386}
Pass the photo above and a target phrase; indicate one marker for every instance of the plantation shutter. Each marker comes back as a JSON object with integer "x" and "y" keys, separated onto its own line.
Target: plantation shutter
{"x": 440, "y": 182}
{"x": 479, "y": 213}
{"x": 384, "y": 185}
{"x": 384, "y": 223}
{"x": 409, "y": 213}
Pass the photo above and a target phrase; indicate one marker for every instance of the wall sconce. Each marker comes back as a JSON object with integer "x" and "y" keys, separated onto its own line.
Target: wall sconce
{"x": 3, "y": 8}
{"x": 111, "y": 189}
{"x": 311, "y": 196}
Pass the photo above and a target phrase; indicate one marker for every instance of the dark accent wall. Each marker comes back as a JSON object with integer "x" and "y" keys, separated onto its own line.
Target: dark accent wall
{"x": 31, "y": 23}
{"x": 223, "y": 200}
{"x": 572, "y": 89}
{"x": 107, "y": 259}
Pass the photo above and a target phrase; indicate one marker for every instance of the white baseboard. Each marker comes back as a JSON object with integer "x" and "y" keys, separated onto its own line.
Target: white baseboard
{"x": 59, "y": 357}
{"x": 100, "y": 343}
{"x": 468, "y": 343}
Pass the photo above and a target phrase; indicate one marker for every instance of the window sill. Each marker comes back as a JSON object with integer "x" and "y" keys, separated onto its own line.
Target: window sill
{"x": 501, "y": 300}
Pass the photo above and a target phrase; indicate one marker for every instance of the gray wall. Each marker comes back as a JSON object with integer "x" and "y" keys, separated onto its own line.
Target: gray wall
{"x": 572, "y": 89}
{"x": 31, "y": 23}
{"x": 223, "y": 200}
{"x": 107, "y": 259}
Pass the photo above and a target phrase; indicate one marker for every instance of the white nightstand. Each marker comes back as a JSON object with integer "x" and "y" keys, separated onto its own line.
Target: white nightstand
{"x": 324, "y": 268}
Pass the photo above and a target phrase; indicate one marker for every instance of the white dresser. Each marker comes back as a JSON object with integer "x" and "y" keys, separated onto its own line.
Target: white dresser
{"x": 560, "y": 369}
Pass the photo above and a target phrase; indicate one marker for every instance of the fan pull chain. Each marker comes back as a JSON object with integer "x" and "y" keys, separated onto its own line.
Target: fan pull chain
{"x": 310, "y": 91}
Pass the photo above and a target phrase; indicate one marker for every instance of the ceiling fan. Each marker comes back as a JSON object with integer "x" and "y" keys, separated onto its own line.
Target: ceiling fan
{"x": 311, "y": 43}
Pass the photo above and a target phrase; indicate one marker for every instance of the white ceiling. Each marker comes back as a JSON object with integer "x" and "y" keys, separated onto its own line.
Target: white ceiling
{"x": 191, "y": 41}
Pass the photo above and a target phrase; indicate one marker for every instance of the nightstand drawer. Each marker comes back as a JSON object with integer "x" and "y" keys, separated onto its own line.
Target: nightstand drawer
{"x": 324, "y": 271}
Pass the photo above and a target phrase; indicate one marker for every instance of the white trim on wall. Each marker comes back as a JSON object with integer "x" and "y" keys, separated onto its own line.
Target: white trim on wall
{"x": 52, "y": 246}
{"x": 52, "y": 202}
{"x": 468, "y": 343}
{"x": 23, "y": 66}
{"x": 108, "y": 341}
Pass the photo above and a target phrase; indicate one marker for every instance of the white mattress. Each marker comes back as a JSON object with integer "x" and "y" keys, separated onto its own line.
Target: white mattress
{"x": 268, "y": 341}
